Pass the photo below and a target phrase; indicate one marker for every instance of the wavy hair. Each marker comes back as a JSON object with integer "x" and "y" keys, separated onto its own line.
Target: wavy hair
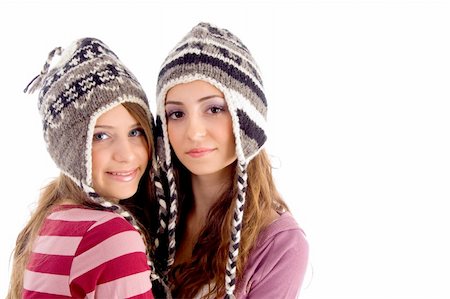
{"x": 63, "y": 188}
{"x": 209, "y": 254}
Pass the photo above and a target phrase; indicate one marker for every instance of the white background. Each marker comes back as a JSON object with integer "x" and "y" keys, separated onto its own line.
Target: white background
{"x": 359, "y": 117}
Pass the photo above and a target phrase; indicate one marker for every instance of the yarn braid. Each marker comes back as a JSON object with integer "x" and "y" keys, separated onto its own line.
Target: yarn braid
{"x": 230, "y": 277}
{"x": 173, "y": 210}
{"x": 156, "y": 176}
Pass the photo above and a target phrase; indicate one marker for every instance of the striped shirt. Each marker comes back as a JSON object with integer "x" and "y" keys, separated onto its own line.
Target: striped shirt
{"x": 84, "y": 253}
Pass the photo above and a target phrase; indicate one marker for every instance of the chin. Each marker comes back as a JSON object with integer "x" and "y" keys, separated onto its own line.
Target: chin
{"x": 126, "y": 196}
{"x": 118, "y": 196}
{"x": 200, "y": 172}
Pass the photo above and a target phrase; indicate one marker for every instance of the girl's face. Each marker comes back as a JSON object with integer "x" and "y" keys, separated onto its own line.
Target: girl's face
{"x": 119, "y": 154}
{"x": 200, "y": 127}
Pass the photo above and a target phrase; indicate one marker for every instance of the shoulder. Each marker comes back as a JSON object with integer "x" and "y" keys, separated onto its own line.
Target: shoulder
{"x": 108, "y": 245}
{"x": 82, "y": 214}
{"x": 110, "y": 230}
{"x": 278, "y": 261}
{"x": 283, "y": 232}
{"x": 99, "y": 232}
{"x": 282, "y": 247}
{"x": 94, "y": 221}
{"x": 77, "y": 220}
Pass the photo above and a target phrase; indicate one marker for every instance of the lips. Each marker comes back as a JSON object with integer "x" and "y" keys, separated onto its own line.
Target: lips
{"x": 199, "y": 152}
{"x": 123, "y": 176}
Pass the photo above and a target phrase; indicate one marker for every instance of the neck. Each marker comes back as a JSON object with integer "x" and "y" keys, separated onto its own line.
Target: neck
{"x": 207, "y": 190}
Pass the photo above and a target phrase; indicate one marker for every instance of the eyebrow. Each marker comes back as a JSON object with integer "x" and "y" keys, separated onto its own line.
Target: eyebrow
{"x": 112, "y": 127}
{"x": 200, "y": 100}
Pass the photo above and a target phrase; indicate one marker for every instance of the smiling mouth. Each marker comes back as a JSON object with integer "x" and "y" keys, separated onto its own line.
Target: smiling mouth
{"x": 123, "y": 176}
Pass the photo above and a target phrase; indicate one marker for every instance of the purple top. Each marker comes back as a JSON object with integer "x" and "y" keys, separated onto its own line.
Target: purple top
{"x": 277, "y": 264}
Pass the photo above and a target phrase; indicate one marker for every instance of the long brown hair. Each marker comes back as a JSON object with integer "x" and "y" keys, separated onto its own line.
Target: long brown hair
{"x": 209, "y": 255}
{"x": 63, "y": 188}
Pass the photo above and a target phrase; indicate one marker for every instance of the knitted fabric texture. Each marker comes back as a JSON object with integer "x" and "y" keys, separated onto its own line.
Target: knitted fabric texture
{"x": 88, "y": 80}
{"x": 218, "y": 57}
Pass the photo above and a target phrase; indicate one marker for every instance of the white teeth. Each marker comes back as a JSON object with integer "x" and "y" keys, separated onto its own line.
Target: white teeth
{"x": 122, "y": 173}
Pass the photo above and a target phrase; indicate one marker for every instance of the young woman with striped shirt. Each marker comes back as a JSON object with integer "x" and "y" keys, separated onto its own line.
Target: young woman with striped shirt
{"x": 80, "y": 241}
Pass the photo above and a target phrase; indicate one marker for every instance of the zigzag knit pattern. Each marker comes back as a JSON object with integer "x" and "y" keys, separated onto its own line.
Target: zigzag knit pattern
{"x": 88, "y": 80}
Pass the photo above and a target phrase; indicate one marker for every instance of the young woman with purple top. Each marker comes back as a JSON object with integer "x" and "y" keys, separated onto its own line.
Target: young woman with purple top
{"x": 230, "y": 234}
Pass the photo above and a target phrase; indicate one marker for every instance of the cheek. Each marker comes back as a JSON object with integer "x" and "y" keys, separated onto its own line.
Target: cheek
{"x": 143, "y": 151}
{"x": 145, "y": 155}
{"x": 174, "y": 133}
{"x": 228, "y": 132}
{"x": 97, "y": 164}
{"x": 228, "y": 137}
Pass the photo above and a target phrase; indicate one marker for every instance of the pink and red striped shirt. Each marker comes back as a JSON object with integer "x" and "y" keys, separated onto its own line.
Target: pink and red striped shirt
{"x": 84, "y": 253}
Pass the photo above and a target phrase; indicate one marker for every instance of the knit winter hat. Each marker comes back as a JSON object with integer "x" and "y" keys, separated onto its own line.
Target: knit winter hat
{"x": 88, "y": 80}
{"x": 218, "y": 57}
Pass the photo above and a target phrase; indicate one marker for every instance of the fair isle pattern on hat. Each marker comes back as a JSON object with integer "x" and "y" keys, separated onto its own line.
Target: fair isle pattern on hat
{"x": 88, "y": 80}
{"x": 217, "y": 56}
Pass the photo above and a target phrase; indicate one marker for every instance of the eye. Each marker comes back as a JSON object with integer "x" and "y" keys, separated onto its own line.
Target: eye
{"x": 100, "y": 136}
{"x": 174, "y": 114}
{"x": 216, "y": 109}
{"x": 137, "y": 132}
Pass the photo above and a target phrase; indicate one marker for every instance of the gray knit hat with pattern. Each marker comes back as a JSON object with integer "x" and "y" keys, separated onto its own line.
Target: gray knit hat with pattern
{"x": 216, "y": 56}
{"x": 88, "y": 80}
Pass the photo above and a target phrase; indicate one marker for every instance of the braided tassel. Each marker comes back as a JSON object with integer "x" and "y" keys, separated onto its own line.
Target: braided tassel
{"x": 162, "y": 206}
{"x": 160, "y": 175}
{"x": 172, "y": 216}
{"x": 230, "y": 278}
{"x": 36, "y": 83}
{"x": 156, "y": 178}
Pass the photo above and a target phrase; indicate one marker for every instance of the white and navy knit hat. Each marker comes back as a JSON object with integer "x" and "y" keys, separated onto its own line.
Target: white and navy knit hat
{"x": 88, "y": 80}
{"x": 218, "y": 57}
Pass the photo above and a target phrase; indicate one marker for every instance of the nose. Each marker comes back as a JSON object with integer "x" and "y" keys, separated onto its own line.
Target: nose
{"x": 123, "y": 150}
{"x": 196, "y": 128}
